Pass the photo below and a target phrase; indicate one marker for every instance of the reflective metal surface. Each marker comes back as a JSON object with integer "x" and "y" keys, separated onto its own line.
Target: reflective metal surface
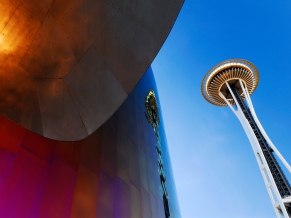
{"x": 49, "y": 39}
{"x": 111, "y": 173}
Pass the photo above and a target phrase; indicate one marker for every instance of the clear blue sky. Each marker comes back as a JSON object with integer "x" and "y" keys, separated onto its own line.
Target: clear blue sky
{"x": 215, "y": 169}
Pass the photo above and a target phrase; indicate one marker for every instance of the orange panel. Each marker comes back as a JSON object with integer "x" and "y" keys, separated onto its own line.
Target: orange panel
{"x": 85, "y": 196}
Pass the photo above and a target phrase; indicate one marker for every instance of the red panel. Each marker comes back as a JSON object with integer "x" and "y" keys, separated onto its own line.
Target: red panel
{"x": 24, "y": 186}
{"x": 6, "y": 161}
{"x": 38, "y": 145}
{"x": 59, "y": 190}
{"x": 85, "y": 196}
{"x": 122, "y": 200}
{"x": 69, "y": 152}
{"x": 11, "y": 135}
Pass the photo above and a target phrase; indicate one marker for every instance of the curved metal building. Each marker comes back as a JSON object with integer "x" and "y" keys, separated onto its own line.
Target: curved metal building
{"x": 114, "y": 172}
{"x": 76, "y": 117}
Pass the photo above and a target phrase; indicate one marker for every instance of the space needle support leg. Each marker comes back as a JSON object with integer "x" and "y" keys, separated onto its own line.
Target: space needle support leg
{"x": 262, "y": 162}
{"x": 248, "y": 99}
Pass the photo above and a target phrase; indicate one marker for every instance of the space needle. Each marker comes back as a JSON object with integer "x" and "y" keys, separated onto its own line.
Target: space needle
{"x": 230, "y": 83}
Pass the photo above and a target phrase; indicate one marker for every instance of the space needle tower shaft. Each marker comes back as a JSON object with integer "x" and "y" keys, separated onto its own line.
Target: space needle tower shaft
{"x": 231, "y": 83}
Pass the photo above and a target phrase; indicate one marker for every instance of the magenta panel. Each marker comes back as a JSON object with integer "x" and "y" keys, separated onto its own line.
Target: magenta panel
{"x": 59, "y": 190}
{"x": 24, "y": 186}
{"x": 11, "y": 135}
{"x": 122, "y": 200}
{"x": 38, "y": 145}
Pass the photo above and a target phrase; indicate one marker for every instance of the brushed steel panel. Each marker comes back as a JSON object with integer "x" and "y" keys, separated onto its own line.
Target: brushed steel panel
{"x": 72, "y": 125}
{"x": 49, "y": 55}
{"x": 17, "y": 35}
{"x": 7, "y": 10}
{"x": 96, "y": 92}
{"x": 82, "y": 21}
{"x": 50, "y": 94}
{"x": 18, "y": 97}
{"x": 162, "y": 13}
{"x": 53, "y": 38}
{"x": 60, "y": 118}
{"x": 38, "y": 8}
{"x": 127, "y": 49}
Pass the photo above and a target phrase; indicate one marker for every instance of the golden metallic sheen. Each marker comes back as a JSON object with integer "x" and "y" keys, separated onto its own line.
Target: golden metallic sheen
{"x": 230, "y": 71}
{"x": 66, "y": 66}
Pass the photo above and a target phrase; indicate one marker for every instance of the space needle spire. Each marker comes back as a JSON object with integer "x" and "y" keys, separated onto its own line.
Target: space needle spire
{"x": 230, "y": 83}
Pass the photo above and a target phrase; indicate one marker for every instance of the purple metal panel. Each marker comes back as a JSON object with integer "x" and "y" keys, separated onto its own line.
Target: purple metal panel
{"x": 105, "y": 204}
{"x": 134, "y": 172}
{"x": 24, "y": 186}
{"x": 143, "y": 169}
{"x": 161, "y": 208}
{"x": 59, "y": 190}
{"x": 154, "y": 206}
{"x": 153, "y": 176}
{"x": 122, "y": 164}
{"x": 85, "y": 195}
{"x": 146, "y": 204}
{"x": 122, "y": 200}
{"x": 135, "y": 202}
